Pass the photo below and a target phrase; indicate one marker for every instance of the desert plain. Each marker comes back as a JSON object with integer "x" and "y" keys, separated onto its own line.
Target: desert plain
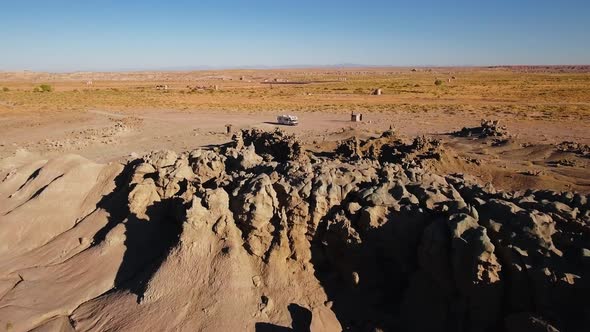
{"x": 175, "y": 201}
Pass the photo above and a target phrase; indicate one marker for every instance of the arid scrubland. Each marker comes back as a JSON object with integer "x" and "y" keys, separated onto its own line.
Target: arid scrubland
{"x": 319, "y": 90}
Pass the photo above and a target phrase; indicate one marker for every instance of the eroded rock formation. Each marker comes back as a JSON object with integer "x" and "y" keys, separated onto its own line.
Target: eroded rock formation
{"x": 245, "y": 236}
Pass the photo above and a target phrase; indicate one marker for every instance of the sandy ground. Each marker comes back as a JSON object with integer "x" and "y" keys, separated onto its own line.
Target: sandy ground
{"x": 94, "y": 133}
{"x": 103, "y": 136}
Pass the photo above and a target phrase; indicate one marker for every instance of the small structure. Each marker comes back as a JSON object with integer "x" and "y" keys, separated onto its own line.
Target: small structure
{"x": 161, "y": 87}
{"x": 358, "y": 117}
{"x": 229, "y": 128}
{"x": 376, "y": 92}
{"x": 289, "y": 120}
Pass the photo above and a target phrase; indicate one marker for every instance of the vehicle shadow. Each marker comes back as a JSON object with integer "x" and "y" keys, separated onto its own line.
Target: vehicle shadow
{"x": 276, "y": 123}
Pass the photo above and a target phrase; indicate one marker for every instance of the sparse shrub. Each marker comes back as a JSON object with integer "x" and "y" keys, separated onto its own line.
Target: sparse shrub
{"x": 438, "y": 82}
{"x": 43, "y": 88}
{"x": 46, "y": 87}
{"x": 5, "y": 89}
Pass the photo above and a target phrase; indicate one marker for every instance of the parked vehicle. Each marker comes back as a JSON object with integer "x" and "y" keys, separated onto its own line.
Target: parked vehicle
{"x": 289, "y": 120}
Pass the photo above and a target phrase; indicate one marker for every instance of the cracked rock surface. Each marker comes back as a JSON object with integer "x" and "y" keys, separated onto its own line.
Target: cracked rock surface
{"x": 258, "y": 234}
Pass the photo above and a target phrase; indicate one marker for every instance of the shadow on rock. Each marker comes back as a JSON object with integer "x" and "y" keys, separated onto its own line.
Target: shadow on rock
{"x": 301, "y": 321}
{"x": 148, "y": 240}
{"x": 362, "y": 278}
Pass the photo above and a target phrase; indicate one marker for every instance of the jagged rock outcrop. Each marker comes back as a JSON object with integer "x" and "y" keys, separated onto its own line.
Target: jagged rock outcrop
{"x": 239, "y": 237}
{"x": 388, "y": 148}
{"x": 488, "y": 128}
{"x": 582, "y": 150}
{"x": 275, "y": 145}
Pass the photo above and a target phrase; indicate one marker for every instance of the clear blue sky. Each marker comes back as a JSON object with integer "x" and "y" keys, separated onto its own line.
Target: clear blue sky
{"x": 76, "y": 35}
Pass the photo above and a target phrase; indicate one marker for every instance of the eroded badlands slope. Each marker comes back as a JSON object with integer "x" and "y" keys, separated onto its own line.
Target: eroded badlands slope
{"x": 259, "y": 235}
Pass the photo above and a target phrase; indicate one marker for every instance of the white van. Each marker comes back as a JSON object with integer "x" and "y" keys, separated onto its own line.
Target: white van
{"x": 289, "y": 120}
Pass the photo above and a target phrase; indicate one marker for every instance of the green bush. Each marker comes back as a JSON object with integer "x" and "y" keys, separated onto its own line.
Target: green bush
{"x": 5, "y": 89}
{"x": 43, "y": 88}
{"x": 438, "y": 82}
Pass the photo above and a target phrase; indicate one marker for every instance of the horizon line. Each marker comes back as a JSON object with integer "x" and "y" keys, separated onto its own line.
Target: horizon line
{"x": 270, "y": 67}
